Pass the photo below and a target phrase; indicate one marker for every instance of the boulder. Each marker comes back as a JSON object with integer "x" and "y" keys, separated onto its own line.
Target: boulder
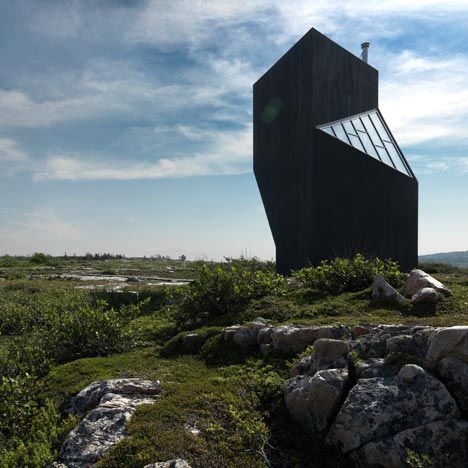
{"x": 445, "y": 443}
{"x": 264, "y": 335}
{"x": 327, "y": 353}
{"x": 312, "y": 401}
{"x": 375, "y": 367}
{"x": 91, "y": 396}
{"x": 360, "y": 330}
{"x": 382, "y": 406}
{"x": 293, "y": 339}
{"x": 418, "y": 279}
{"x": 454, "y": 373}
{"x": 384, "y": 292}
{"x": 304, "y": 367}
{"x": 401, "y": 343}
{"x": 426, "y": 296}
{"x": 176, "y": 463}
{"x": 447, "y": 342}
{"x": 244, "y": 336}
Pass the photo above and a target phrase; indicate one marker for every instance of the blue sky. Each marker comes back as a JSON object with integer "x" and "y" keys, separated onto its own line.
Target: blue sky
{"x": 125, "y": 126}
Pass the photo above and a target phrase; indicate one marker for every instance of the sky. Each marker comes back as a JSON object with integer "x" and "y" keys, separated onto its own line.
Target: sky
{"x": 126, "y": 125}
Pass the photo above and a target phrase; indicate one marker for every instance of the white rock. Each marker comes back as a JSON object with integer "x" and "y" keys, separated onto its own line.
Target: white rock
{"x": 447, "y": 342}
{"x": 312, "y": 401}
{"x": 418, "y": 279}
{"x": 378, "y": 407}
{"x": 327, "y": 351}
{"x": 409, "y": 373}
{"x": 112, "y": 403}
{"x": 383, "y": 291}
{"x": 426, "y": 296}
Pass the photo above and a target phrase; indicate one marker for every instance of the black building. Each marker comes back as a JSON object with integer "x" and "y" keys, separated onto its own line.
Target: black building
{"x": 332, "y": 178}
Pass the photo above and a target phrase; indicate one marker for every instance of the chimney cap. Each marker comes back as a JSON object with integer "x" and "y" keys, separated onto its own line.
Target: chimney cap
{"x": 365, "y": 44}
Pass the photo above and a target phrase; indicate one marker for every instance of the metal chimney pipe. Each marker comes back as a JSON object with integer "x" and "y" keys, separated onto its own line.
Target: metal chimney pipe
{"x": 365, "y": 51}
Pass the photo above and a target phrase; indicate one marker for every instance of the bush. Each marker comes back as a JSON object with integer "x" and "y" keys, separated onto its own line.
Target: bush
{"x": 343, "y": 274}
{"x": 30, "y": 426}
{"x": 227, "y": 289}
{"x": 40, "y": 258}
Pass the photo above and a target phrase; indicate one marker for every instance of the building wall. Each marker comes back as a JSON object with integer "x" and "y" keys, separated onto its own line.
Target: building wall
{"x": 315, "y": 82}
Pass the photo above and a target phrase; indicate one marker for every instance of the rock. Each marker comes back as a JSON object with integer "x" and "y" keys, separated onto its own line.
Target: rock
{"x": 304, "y": 367}
{"x": 100, "y": 430}
{"x": 328, "y": 351}
{"x": 312, "y": 401}
{"x": 245, "y": 336}
{"x": 409, "y": 373}
{"x": 401, "y": 343}
{"x": 132, "y": 279}
{"x": 380, "y": 407}
{"x": 293, "y": 339}
{"x": 445, "y": 443}
{"x": 454, "y": 373}
{"x": 427, "y": 296}
{"x": 110, "y": 403}
{"x": 176, "y": 463}
{"x": 91, "y": 396}
{"x": 360, "y": 330}
{"x": 418, "y": 279}
{"x": 382, "y": 291}
{"x": 264, "y": 335}
{"x": 447, "y": 342}
{"x": 375, "y": 367}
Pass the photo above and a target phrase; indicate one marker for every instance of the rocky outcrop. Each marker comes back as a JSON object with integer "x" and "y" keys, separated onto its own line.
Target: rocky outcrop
{"x": 384, "y": 292}
{"x": 444, "y": 443}
{"x": 383, "y": 406}
{"x": 176, "y": 463}
{"x": 448, "y": 342}
{"x": 293, "y": 339}
{"x": 454, "y": 373}
{"x": 378, "y": 409}
{"x": 108, "y": 406}
{"x": 245, "y": 336}
{"x": 418, "y": 279}
{"x": 312, "y": 401}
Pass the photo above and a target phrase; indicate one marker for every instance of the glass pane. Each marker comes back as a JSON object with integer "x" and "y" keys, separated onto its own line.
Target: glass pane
{"x": 368, "y": 145}
{"x": 356, "y": 142}
{"x": 396, "y": 158}
{"x": 379, "y": 126}
{"x": 358, "y": 124}
{"x": 340, "y": 133}
{"x": 371, "y": 130}
{"x": 349, "y": 128}
{"x": 384, "y": 156}
{"x": 328, "y": 130}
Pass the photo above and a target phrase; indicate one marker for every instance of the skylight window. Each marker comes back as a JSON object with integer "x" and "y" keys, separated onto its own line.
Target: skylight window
{"x": 369, "y": 134}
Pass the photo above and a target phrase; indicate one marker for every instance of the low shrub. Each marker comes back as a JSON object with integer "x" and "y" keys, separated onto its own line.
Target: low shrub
{"x": 225, "y": 290}
{"x": 343, "y": 274}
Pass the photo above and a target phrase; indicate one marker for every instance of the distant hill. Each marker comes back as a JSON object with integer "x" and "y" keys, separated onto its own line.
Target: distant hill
{"x": 459, "y": 259}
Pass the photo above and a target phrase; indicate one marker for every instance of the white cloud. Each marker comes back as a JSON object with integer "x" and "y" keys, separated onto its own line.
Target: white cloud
{"x": 228, "y": 153}
{"x": 11, "y": 152}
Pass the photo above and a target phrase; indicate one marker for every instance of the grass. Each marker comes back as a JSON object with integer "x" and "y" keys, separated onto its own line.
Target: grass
{"x": 234, "y": 398}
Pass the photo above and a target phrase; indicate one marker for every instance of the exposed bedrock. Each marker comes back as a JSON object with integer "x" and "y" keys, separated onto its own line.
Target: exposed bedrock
{"x": 401, "y": 395}
{"x": 107, "y": 406}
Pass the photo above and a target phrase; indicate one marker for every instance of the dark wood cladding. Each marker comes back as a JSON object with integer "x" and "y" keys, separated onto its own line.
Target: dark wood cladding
{"x": 306, "y": 178}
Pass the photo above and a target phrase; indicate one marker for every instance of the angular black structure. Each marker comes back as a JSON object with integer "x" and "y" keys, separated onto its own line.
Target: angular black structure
{"x": 332, "y": 177}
